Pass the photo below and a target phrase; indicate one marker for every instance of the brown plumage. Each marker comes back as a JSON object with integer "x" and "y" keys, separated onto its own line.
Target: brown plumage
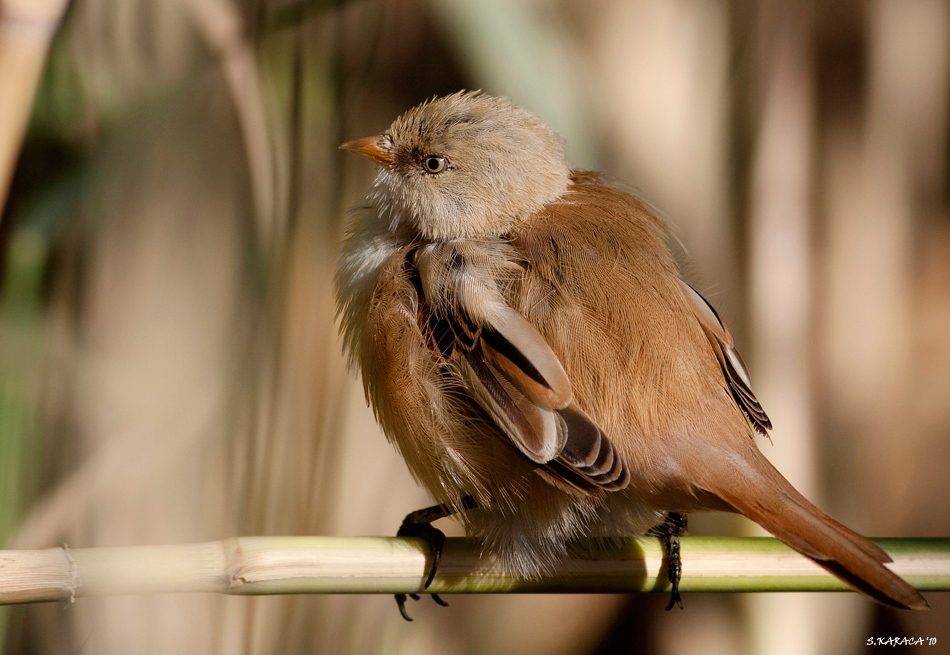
{"x": 524, "y": 337}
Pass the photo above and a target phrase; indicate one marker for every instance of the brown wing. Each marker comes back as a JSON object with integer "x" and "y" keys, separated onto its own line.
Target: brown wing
{"x": 733, "y": 368}
{"x": 511, "y": 370}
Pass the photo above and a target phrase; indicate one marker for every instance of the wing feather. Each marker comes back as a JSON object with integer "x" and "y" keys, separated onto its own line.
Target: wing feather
{"x": 733, "y": 368}
{"x": 512, "y": 372}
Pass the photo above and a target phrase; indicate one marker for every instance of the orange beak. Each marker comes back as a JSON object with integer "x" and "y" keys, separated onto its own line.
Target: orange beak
{"x": 371, "y": 147}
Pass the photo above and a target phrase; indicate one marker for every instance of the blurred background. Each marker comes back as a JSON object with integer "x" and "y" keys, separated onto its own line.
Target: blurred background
{"x": 170, "y": 369}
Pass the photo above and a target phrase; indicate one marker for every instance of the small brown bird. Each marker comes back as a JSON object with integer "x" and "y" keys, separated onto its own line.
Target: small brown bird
{"x": 529, "y": 348}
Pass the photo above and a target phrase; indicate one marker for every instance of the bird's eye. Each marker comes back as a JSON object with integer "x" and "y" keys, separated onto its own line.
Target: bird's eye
{"x": 434, "y": 164}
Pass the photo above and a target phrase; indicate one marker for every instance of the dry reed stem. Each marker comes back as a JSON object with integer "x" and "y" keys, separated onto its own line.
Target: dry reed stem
{"x": 222, "y": 27}
{"x": 371, "y": 565}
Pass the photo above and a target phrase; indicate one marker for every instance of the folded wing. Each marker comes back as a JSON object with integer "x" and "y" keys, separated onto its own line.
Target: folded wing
{"x": 733, "y": 368}
{"x": 513, "y": 373}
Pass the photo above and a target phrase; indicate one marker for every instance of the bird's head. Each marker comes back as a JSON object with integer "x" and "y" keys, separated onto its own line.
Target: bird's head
{"x": 466, "y": 165}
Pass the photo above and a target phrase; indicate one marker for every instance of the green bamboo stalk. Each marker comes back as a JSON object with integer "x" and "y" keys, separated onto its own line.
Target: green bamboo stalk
{"x": 385, "y": 565}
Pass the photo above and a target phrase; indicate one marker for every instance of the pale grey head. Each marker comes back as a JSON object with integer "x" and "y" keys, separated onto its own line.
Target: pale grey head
{"x": 466, "y": 165}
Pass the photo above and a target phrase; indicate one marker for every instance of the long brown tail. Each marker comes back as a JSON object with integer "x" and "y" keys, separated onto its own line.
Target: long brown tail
{"x": 761, "y": 493}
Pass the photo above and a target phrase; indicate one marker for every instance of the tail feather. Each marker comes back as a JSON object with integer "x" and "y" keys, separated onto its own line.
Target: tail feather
{"x": 764, "y": 496}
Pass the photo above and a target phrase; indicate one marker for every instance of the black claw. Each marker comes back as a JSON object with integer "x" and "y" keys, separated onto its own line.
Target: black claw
{"x": 436, "y": 539}
{"x": 401, "y": 602}
{"x": 669, "y": 533}
{"x": 675, "y": 597}
{"x": 419, "y": 524}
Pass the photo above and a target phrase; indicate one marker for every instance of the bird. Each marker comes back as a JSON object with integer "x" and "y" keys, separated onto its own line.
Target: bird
{"x": 529, "y": 347}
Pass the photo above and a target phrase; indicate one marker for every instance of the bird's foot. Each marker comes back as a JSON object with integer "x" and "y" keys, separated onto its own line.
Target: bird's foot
{"x": 669, "y": 534}
{"x": 419, "y": 524}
